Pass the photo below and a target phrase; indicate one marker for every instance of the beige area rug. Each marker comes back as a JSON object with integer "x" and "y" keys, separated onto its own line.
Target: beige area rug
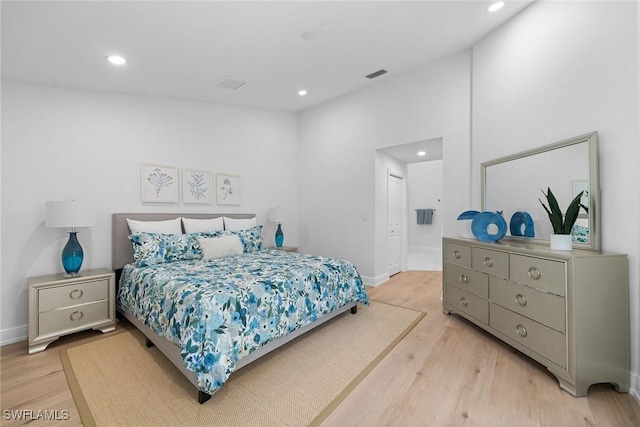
{"x": 117, "y": 381}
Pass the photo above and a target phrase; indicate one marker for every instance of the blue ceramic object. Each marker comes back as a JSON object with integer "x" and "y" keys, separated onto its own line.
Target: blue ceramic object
{"x": 482, "y": 221}
{"x": 463, "y": 224}
{"x": 521, "y": 224}
{"x": 72, "y": 254}
{"x": 279, "y": 237}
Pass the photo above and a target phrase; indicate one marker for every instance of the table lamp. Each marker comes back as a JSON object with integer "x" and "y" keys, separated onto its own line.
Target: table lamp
{"x": 277, "y": 215}
{"x": 71, "y": 214}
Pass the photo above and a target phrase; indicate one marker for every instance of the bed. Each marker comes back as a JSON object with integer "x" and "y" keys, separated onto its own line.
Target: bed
{"x": 211, "y": 317}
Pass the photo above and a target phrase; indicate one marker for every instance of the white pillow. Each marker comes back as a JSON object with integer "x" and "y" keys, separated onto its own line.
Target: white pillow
{"x": 170, "y": 226}
{"x": 234, "y": 224}
{"x": 192, "y": 225}
{"x": 219, "y": 247}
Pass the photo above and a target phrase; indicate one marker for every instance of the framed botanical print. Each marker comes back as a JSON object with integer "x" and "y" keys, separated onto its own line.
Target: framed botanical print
{"x": 196, "y": 186}
{"x": 158, "y": 183}
{"x": 227, "y": 189}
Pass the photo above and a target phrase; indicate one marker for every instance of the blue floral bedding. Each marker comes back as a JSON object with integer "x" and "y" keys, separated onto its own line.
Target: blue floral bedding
{"x": 220, "y": 311}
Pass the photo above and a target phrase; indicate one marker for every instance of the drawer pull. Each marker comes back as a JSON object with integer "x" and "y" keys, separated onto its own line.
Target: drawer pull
{"x": 456, "y": 254}
{"x": 76, "y": 294}
{"x": 534, "y": 273}
{"x": 76, "y": 316}
{"x": 464, "y": 301}
{"x": 521, "y": 330}
{"x": 463, "y": 278}
{"x": 521, "y": 300}
{"x": 488, "y": 262}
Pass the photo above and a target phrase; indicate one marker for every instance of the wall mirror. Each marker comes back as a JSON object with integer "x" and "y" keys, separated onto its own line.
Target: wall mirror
{"x": 514, "y": 183}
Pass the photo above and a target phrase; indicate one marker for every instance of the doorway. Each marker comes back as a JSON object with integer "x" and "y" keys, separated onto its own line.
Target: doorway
{"x": 395, "y": 222}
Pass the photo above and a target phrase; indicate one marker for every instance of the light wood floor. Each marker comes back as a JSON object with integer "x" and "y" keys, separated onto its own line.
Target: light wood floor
{"x": 445, "y": 372}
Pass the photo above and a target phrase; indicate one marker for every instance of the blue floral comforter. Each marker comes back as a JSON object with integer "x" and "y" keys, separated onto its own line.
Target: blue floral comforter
{"x": 220, "y": 311}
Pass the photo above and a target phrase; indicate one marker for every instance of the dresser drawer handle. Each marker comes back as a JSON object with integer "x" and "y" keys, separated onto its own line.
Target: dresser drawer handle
{"x": 521, "y": 330}
{"x": 464, "y": 301}
{"x": 76, "y": 316}
{"x": 521, "y": 300}
{"x": 463, "y": 278}
{"x": 76, "y": 294}
{"x": 456, "y": 254}
{"x": 534, "y": 273}
{"x": 488, "y": 262}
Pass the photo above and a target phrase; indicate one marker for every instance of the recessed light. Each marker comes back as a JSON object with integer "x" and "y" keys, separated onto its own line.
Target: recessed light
{"x": 302, "y": 92}
{"x": 116, "y": 59}
{"x": 422, "y": 153}
{"x": 496, "y": 6}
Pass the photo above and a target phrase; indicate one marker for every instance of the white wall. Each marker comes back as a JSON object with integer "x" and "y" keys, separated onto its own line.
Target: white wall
{"x": 561, "y": 69}
{"x": 338, "y": 140}
{"x": 424, "y": 190}
{"x": 62, "y": 144}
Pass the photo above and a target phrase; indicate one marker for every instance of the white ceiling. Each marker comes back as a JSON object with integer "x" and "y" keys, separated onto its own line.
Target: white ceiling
{"x": 182, "y": 49}
{"x": 408, "y": 153}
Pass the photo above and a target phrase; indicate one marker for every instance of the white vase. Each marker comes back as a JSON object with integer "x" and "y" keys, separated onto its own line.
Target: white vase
{"x": 561, "y": 242}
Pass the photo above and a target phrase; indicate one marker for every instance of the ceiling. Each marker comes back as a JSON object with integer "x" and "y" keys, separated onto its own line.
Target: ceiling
{"x": 408, "y": 153}
{"x": 182, "y": 49}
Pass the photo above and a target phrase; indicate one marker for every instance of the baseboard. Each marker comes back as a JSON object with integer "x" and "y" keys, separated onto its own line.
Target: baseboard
{"x": 9, "y": 336}
{"x": 634, "y": 388}
{"x": 375, "y": 281}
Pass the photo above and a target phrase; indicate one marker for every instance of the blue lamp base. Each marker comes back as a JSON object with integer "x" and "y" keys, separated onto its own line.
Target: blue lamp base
{"x": 72, "y": 256}
{"x": 279, "y": 237}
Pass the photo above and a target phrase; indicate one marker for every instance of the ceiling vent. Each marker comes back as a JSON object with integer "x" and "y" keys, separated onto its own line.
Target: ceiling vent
{"x": 376, "y": 74}
{"x": 231, "y": 83}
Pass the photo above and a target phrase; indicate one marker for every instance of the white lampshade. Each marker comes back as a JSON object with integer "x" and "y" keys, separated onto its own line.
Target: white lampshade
{"x": 276, "y": 215}
{"x": 70, "y": 214}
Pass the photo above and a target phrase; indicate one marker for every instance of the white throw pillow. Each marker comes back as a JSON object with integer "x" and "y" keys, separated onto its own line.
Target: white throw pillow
{"x": 219, "y": 247}
{"x": 235, "y": 224}
{"x": 193, "y": 225}
{"x": 170, "y": 226}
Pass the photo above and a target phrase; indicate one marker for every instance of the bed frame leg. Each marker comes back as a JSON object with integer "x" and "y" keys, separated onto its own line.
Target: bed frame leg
{"x": 354, "y": 309}
{"x": 148, "y": 342}
{"x": 203, "y": 397}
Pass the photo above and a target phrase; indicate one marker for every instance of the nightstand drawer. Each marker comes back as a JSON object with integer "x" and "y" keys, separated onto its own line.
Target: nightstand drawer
{"x": 543, "y": 307}
{"x": 467, "y": 302}
{"x": 469, "y": 280}
{"x": 457, "y": 254}
{"x": 491, "y": 262}
{"x": 72, "y": 317}
{"x": 533, "y": 335}
{"x": 539, "y": 273}
{"x": 72, "y": 294}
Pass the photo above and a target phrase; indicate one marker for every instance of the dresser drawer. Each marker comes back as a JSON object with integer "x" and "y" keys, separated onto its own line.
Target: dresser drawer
{"x": 467, "y": 302}
{"x": 540, "y": 306}
{"x": 457, "y": 254}
{"x": 72, "y": 294}
{"x": 543, "y": 340}
{"x": 57, "y": 321}
{"x": 491, "y": 262}
{"x": 467, "y": 279}
{"x": 539, "y": 273}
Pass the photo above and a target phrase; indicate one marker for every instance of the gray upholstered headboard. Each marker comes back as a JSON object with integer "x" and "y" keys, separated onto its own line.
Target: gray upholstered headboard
{"x": 122, "y": 250}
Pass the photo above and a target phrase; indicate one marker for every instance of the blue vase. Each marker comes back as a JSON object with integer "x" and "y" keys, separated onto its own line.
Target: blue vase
{"x": 279, "y": 237}
{"x": 72, "y": 255}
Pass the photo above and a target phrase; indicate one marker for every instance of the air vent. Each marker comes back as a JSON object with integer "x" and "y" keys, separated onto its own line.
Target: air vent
{"x": 231, "y": 83}
{"x": 376, "y": 74}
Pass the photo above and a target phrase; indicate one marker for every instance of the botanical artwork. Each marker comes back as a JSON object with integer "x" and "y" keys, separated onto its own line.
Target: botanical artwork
{"x": 228, "y": 189}
{"x": 159, "y": 183}
{"x": 196, "y": 186}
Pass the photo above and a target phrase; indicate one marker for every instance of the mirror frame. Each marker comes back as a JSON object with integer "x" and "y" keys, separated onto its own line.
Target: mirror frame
{"x": 594, "y": 187}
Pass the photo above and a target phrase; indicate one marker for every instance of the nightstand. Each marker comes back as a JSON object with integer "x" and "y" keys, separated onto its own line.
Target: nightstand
{"x": 284, "y": 248}
{"x": 61, "y": 305}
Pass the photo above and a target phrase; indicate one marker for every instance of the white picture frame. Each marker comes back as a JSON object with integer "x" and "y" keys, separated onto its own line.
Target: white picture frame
{"x": 197, "y": 187}
{"x": 158, "y": 183}
{"x": 227, "y": 189}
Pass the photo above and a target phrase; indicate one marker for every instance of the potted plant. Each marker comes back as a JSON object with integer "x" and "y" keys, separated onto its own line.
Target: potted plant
{"x": 562, "y": 224}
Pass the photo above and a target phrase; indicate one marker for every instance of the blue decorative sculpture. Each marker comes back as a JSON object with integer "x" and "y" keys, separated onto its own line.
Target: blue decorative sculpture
{"x": 521, "y": 224}
{"x": 482, "y": 221}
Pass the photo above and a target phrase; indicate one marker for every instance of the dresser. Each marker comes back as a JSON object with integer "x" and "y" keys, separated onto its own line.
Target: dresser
{"x": 568, "y": 310}
{"x": 59, "y": 306}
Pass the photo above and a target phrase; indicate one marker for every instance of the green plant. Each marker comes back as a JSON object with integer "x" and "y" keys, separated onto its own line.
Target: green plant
{"x": 562, "y": 224}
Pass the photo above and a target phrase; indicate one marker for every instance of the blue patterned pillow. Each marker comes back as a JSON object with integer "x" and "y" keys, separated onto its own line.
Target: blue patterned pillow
{"x": 152, "y": 248}
{"x": 251, "y": 237}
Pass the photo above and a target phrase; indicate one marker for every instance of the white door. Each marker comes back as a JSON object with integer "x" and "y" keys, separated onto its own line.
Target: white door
{"x": 394, "y": 215}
